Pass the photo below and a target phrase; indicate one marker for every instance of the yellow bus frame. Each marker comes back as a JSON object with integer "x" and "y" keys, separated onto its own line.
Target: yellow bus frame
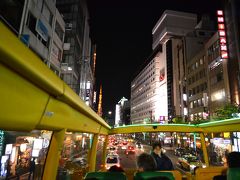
{"x": 33, "y": 97}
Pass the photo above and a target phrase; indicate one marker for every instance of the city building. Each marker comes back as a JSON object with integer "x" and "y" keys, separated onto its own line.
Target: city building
{"x": 218, "y": 82}
{"x": 122, "y": 112}
{"x": 79, "y": 56}
{"x": 196, "y": 69}
{"x": 232, "y": 23}
{"x": 197, "y": 83}
{"x": 40, "y": 26}
{"x": 164, "y": 77}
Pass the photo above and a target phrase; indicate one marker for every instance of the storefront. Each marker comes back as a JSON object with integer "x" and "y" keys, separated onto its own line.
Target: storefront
{"x": 23, "y": 150}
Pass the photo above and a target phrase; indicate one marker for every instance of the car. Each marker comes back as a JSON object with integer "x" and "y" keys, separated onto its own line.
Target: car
{"x": 189, "y": 162}
{"x": 179, "y": 151}
{"x": 130, "y": 149}
{"x": 112, "y": 149}
{"x": 125, "y": 143}
{"x": 112, "y": 160}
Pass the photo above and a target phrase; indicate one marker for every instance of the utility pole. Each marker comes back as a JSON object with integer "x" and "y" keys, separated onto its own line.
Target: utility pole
{"x": 150, "y": 134}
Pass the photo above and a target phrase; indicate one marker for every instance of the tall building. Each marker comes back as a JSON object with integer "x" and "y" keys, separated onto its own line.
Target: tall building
{"x": 122, "y": 112}
{"x": 232, "y": 23}
{"x": 164, "y": 82}
{"x": 39, "y": 25}
{"x": 147, "y": 91}
{"x": 79, "y": 52}
{"x": 169, "y": 31}
{"x": 196, "y": 69}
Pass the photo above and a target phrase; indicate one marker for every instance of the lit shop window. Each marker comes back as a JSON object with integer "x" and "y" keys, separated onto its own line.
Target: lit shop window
{"x": 21, "y": 150}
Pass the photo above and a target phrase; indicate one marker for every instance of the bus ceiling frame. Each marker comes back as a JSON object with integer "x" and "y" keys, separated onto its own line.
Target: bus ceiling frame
{"x": 227, "y": 125}
{"x": 33, "y": 97}
{"x": 36, "y": 96}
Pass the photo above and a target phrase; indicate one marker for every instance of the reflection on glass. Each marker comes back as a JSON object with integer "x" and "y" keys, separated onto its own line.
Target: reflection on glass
{"x": 73, "y": 162}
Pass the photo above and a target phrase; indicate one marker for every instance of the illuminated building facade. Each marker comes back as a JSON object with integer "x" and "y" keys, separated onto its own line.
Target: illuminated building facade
{"x": 218, "y": 83}
{"x": 158, "y": 93}
{"x": 232, "y": 25}
{"x": 78, "y": 56}
{"x": 147, "y": 100}
{"x": 122, "y": 112}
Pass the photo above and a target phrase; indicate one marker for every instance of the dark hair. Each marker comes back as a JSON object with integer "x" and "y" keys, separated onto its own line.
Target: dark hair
{"x": 156, "y": 144}
{"x": 115, "y": 169}
{"x": 233, "y": 160}
{"x": 147, "y": 162}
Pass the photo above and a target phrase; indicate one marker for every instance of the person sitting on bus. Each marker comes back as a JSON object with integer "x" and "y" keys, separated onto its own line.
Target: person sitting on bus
{"x": 115, "y": 169}
{"x": 163, "y": 162}
{"x": 233, "y": 162}
{"x": 145, "y": 162}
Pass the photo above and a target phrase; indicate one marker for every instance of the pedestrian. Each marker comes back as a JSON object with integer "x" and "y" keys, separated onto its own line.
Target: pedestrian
{"x": 145, "y": 162}
{"x": 32, "y": 169}
{"x": 233, "y": 162}
{"x": 163, "y": 162}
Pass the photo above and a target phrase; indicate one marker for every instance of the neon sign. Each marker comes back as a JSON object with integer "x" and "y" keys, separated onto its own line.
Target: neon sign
{"x": 1, "y": 142}
{"x": 222, "y": 35}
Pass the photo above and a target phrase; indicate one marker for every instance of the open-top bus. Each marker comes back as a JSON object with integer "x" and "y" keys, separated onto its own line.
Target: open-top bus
{"x": 45, "y": 124}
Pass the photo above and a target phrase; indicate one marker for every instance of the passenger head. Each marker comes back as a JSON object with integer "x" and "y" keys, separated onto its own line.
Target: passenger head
{"x": 145, "y": 162}
{"x": 233, "y": 160}
{"x": 157, "y": 148}
{"x": 115, "y": 169}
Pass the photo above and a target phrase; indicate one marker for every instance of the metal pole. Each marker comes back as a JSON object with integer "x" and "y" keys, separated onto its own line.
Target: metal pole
{"x": 93, "y": 153}
{"x": 104, "y": 153}
{"x": 54, "y": 153}
{"x": 204, "y": 148}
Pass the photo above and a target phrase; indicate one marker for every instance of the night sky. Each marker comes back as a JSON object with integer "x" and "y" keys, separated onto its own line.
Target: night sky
{"x": 122, "y": 31}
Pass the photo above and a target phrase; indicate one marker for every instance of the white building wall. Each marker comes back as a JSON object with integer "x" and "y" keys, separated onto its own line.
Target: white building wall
{"x": 161, "y": 104}
{"x": 148, "y": 94}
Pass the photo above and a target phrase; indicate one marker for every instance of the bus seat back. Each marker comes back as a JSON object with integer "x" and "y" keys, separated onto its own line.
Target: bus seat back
{"x": 105, "y": 176}
{"x": 209, "y": 172}
{"x": 154, "y": 175}
{"x": 233, "y": 173}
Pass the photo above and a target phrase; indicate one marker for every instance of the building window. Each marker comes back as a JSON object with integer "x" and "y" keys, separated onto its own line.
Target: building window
{"x": 31, "y": 23}
{"x": 219, "y": 77}
{"x": 201, "y": 61}
{"x": 59, "y": 31}
{"x": 47, "y": 14}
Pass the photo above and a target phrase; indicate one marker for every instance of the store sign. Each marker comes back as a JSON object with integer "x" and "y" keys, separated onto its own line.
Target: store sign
{"x": 37, "y": 143}
{"x": 162, "y": 74}
{"x": 8, "y": 149}
{"x": 226, "y": 141}
{"x": 1, "y": 142}
{"x": 222, "y": 35}
{"x": 42, "y": 30}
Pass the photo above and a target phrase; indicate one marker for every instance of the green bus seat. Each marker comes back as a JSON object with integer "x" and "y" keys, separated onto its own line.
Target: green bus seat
{"x": 154, "y": 175}
{"x": 105, "y": 176}
{"x": 233, "y": 173}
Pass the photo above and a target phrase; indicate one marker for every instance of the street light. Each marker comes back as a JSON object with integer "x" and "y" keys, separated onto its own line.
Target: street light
{"x": 109, "y": 112}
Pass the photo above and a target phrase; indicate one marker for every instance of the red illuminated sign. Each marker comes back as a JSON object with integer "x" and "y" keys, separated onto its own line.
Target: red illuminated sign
{"x": 221, "y": 26}
{"x": 222, "y": 34}
{"x": 220, "y": 13}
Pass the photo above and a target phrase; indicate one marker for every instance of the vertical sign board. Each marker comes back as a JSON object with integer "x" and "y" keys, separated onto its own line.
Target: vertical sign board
{"x": 1, "y": 142}
{"x": 222, "y": 34}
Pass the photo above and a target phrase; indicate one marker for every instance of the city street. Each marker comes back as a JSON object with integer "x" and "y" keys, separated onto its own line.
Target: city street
{"x": 129, "y": 161}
